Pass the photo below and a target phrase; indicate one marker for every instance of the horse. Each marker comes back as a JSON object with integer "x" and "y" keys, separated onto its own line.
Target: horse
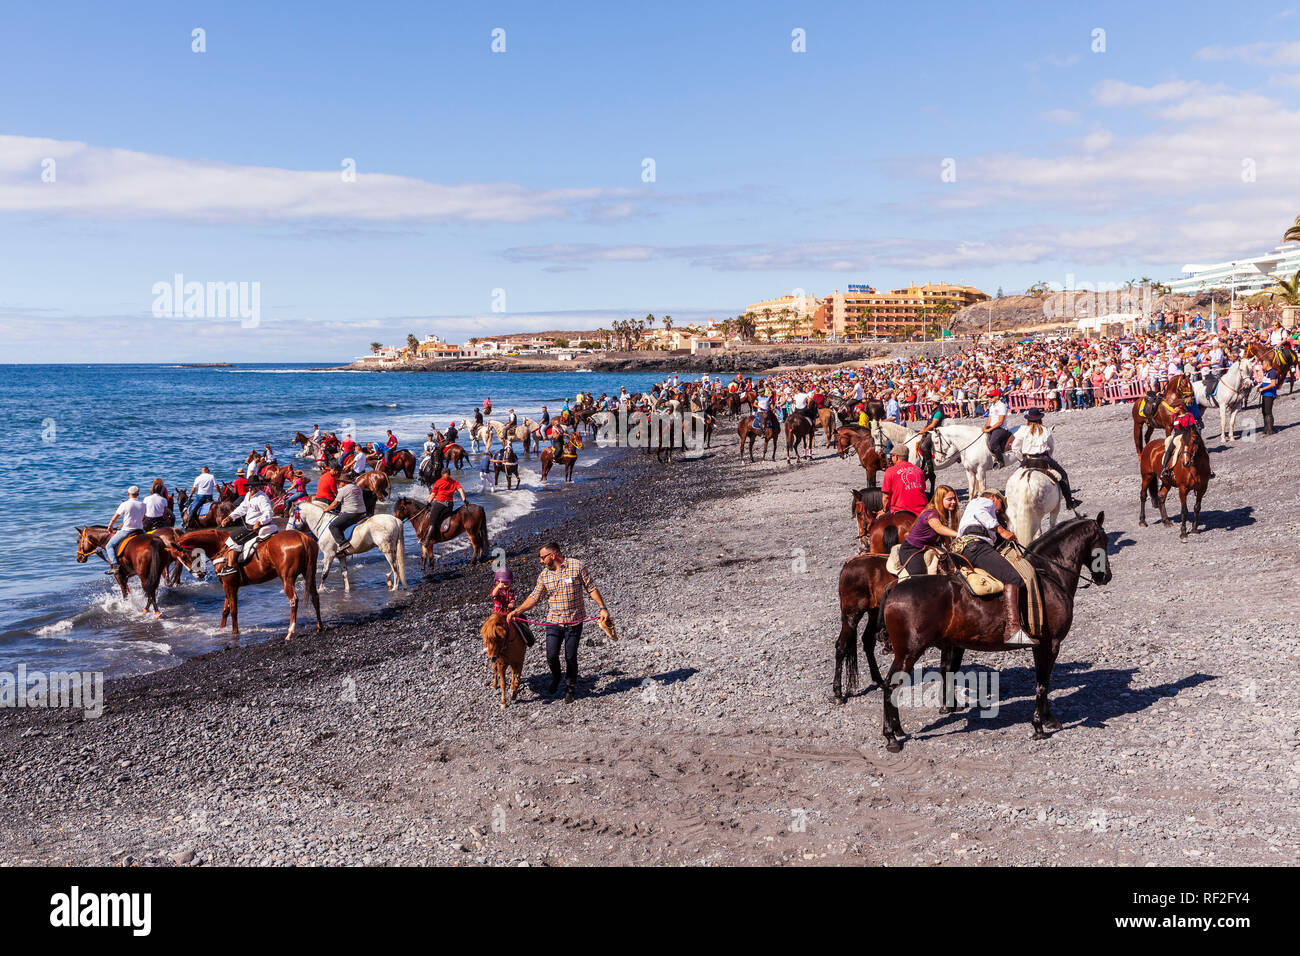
{"x": 1149, "y": 415}
{"x": 218, "y": 510}
{"x": 467, "y": 519}
{"x": 867, "y": 503}
{"x": 848, "y": 436}
{"x": 864, "y": 581}
{"x": 143, "y": 555}
{"x": 403, "y": 461}
{"x": 380, "y": 531}
{"x": 287, "y": 555}
{"x": 1191, "y": 468}
{"x": 1032, "y": 495}
{"x": 453, "y": 454}
{"x": 967, "y": 444}
{"x": 505, "y": 648}
{"x": 568, "y": 454}
{"x": 1277, "y": 358}
{"x": 1230, "y": 394}
{"x": 375, "y": 482}
{"x": 770, "y": 431}
{"x": 799, "y": 431}
{"x": 869, "y": 458}
{"x": 938, "y": 611}
{"x": 508, "y": 463}
{"x": 826, "y": 418}
{"x": 311, "y": 450}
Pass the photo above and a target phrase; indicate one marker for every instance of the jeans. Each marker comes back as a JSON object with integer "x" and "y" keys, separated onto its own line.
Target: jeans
{"x": 197, "y": 502}
{"x": 569, "y": 635}
{"x": 114, "y": 541}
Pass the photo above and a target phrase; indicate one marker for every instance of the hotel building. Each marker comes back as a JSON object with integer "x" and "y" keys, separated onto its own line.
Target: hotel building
{"x": 1246, "y": 276}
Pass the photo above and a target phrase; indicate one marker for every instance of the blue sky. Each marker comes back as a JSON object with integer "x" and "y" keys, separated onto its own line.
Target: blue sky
{"x": 522, "y": 170}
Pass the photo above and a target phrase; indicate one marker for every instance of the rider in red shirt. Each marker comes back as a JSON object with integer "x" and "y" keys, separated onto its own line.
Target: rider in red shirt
{"x": 240, "y": 483}
{"x": 390, "y": 446}
{"x": 327, "y": 489}
{"x": 903, "y": 486}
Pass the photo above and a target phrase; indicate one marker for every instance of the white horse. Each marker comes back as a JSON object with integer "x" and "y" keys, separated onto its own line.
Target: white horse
{"x": 478, "y": 434}
{"x": 1032, "y": 495}
{"x": 952, "y": 443}
{"x": 1231, "y": 397}
{"x": 380, "y": 531}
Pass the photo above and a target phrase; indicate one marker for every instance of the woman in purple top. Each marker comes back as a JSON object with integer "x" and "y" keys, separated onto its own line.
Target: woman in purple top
{"x": 932, "y": 526}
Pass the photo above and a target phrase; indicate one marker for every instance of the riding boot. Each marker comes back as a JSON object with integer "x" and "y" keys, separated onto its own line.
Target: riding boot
{"x": 1015, "y": 633}
{"x": 1071, "y": 502}
{"x": 1167, "y": 473}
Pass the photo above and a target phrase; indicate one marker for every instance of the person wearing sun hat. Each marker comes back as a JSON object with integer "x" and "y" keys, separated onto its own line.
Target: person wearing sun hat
{"x": 1035, "y": 444}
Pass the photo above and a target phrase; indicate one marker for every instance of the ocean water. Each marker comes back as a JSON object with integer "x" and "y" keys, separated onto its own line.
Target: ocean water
{"x": 80, "y": 435}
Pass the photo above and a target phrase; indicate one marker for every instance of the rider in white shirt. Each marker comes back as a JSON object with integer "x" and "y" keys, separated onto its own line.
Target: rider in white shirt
{"x": 258, "y": 519}
{"x": 203, "y": 490}
{"x": 131, "y": 512}
{"x": 1035, "y": 444}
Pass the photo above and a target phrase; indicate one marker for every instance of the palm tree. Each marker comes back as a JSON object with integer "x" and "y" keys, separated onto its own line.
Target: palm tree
{"x": 668, "y": 322}
{"x": 1288, "y": 290}
{"x": 746, "y": 326}
{"x": 375, "y": 347}
{"x": 1293, "y": 232}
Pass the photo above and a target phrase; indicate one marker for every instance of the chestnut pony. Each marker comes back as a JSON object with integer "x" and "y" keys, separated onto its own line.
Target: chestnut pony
{"x": 505, "y": 649}
{"x": 938, "y": 611}
{"x": 143, "y": 555}
{"x": 1191, "y": 468}
{"x": 770, "y": 431}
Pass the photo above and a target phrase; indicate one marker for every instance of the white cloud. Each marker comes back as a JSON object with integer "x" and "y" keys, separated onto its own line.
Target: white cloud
{"x": 1061, "y": 117}
{"x": 1117, "y": 93}
{"x": 1256, "y": 54}
{"x": 96, "y": 182}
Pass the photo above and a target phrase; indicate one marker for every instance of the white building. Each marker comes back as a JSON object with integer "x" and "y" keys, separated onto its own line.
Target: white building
{"x": 1246, "y": 276}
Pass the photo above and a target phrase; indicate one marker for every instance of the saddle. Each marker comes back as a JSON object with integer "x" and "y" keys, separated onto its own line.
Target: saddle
{"x": 127, "y": 540}
{"x": 894, "y": 564}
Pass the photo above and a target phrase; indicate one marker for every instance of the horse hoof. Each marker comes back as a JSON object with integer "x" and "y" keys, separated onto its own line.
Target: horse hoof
{"x": 1038, "y": 734}
{"x": 1052, "y": 723}
{"x": 1142, "y": 524}
{"x": 893, "y": 746}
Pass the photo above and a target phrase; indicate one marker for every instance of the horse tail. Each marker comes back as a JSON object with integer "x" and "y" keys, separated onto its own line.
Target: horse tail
{"x": 889, "y": 537}
{"x": 401, "y": 554}
{"x": 153, "y": 574}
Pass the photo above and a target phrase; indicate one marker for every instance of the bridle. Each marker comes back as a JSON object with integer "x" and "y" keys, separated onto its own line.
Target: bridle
{"x": 1083, "y": 571}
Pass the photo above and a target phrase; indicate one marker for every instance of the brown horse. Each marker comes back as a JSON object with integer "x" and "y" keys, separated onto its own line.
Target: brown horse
{"x": 848, "y": 436}
{"x": 799, "y": 433}
{"x": 1191, "y": 468}
{"x": 286, "y": 555}
{"x": 864, "y": 582}
{"x": 938, "y": 611}
{"x": 468, "y": 519}
{"x": 568, "y": 455}
{"x": 827, "y": 420}
{"x": 770, "y": 432}
{"x": 453, "y": 454}
{"x": 1277, "y": 358}
{"x": 508, "y": 462}
{"x": 403, "y": 460}
{"x": 887, "y": 529}
{"x": 143, "y": 555}
{"x": 375, "y": 482}
{"x": 869, "y": 458}
{"x": 1149, "y": 415}
{"x": 226, "y": 502}
{"x": 505, "y": 649}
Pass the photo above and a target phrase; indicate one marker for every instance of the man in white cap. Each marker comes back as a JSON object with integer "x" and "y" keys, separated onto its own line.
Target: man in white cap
{"x": 131, "y": 512}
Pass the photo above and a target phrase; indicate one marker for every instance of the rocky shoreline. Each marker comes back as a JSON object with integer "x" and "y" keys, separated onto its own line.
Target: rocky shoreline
{"x": 706, "y": 734}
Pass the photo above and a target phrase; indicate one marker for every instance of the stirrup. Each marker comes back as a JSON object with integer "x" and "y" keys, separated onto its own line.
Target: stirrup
{"x": 1020, "y": 639}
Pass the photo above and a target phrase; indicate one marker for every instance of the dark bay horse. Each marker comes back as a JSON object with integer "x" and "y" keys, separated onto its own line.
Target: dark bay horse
{"x": 467, "y": 519}
{"x": 864, "y": 582}
{"x": 1277, "y": 358}
{"x": 143, "y": 555}
{"x": 1191, "y": 468}
{"x": 568, "y": 457}
{"x": 286, "y": 555}
{"x": 1150, "y": 414}
{"x": 507, "y": 462}
{"x": 403, "y": 461}
{"x": 848, "y": 436}
{"x": 938, "y": 611}
{"x": 770, "y": 432}
{"x": 799, "y": 433}
{"x": 375, "y": 482}
{"x": 225, "y": 503}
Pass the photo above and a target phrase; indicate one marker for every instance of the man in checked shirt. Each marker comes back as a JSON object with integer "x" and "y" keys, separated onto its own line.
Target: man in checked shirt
{"x": 562, "y": 582}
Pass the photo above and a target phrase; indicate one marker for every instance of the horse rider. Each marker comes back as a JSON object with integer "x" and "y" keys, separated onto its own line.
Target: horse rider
{"x": 981, "y": 529}
{"x": 315, "y": 435}
{"x": 297, "y": 491}
{"x": 202, "y": 491}
{"x": 327, "y": 488}
{"x": 131, "y": 511}
{"x": 351, "y": 503}
{"x": 156, "y": 505}
{"x": 764, "y": 407}
{"x": 995, "y": 427}
{"x": 1034, "y": 444}
{"x": 347, "y": 447}
{"x": 903, "y": 485}
{"x": 452, "y": 433}
{"x": 360, "y": 463}
{"x": 240, "y": 484}
{"x": 258, "y": 520}
{"x": 1179, "y": 431}
{"x": 487, "y": 407}
{"x": 512, "y": 420}
{"x": 429, "y": 446}
{"x": 441, "y": 501}
{"x": 268, "y": 460}
{"x": 929, "y": 531}
{"x": 389, "y": 449}
{"x": 925, "y": 444}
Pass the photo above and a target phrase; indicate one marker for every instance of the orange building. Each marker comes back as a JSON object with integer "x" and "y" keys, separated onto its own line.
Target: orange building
{"x": 865, "y": 313}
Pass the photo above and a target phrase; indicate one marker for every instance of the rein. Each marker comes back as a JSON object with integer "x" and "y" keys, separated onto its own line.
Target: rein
{"x": 1082, "y": 570}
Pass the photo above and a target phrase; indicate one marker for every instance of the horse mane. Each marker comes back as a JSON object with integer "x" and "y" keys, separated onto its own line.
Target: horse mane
{"x": 872, "y": 499}
{"x": 1054, "y": 536}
